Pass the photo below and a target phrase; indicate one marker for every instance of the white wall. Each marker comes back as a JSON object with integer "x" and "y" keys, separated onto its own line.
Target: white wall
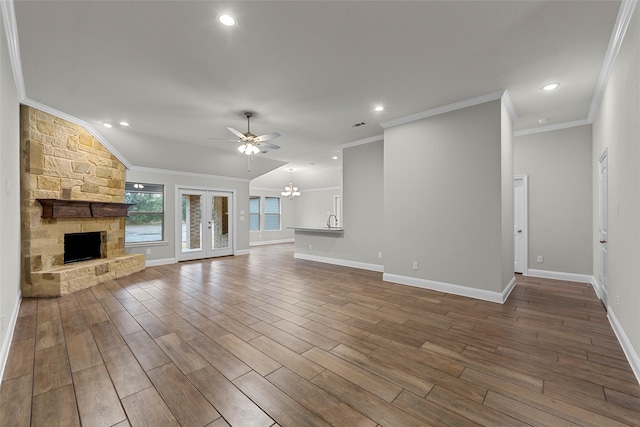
{"x": 287, "y": 209}
{"x": 616, "y": 127}
{"x": 363, "y": 202}
{"x": 165, "y": 252}
{"x": 559, "y": 167}
{"x": 313, "y": 207}
{"x": 9, "y": 199}
{"x": 443, "y": 199}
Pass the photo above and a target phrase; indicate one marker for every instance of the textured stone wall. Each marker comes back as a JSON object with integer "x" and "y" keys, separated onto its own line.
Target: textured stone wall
{"x": 61, "y": 160}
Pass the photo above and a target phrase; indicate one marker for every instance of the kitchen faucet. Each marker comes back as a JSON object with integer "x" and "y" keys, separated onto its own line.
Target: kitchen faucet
{"x": 329, "y": 221}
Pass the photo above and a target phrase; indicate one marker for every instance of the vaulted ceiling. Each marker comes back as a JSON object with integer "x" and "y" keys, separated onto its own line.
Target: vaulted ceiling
{"x": 307, "y": 69}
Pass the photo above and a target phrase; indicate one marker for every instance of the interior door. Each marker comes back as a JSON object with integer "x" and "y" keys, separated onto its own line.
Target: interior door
{"x": 603, "y": 226}
{"x": 519, "y": 225}
{"x": 205, "y": 224}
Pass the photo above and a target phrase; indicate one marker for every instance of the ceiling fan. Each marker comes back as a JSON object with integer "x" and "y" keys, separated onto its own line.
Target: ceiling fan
{"x": 251, "y": 143}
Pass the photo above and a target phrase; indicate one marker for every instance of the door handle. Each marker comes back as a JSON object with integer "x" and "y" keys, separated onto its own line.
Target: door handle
{"x": 603, "y": 241}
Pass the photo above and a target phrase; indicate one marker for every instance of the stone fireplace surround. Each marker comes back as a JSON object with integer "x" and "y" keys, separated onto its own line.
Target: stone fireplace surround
{"x": 60, "y": 160}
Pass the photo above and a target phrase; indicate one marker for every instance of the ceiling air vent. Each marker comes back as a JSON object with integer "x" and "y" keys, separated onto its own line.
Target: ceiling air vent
{"x": 357, "y": 125}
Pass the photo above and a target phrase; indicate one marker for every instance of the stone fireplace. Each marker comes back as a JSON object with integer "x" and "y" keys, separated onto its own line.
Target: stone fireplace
{"x": 70, "y": 185}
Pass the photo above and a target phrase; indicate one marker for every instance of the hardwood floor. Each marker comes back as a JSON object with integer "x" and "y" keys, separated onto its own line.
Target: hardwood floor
{"x": 266, "y": 340}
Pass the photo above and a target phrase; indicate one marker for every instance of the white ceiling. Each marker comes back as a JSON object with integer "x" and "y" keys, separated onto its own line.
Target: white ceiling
{"x": 308, "y": 69}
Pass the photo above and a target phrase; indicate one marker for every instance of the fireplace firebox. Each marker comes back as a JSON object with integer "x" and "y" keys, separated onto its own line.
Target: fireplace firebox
{"x": 82, "y": 246}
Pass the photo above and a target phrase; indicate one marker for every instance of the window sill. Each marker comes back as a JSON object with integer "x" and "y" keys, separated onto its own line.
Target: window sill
{"x": 142, "y": 244}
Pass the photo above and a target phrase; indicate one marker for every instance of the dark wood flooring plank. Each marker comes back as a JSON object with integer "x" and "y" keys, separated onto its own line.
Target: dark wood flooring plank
{"x": 15, "y": 401}
{"x": 368, "y": 404}
{"x": 20, "y": 359}
{"x": 432, "y": 414}
{"x": 292, "y": 360}
{"x": 56, "y": 407}
{"x": 83, "y": 351}
{"x": 276, "y": 403}
{"x": 147, "y": 409}
{"x": 524, "y": 412}
{"x": 219, "y": 357}
{"x": 51, "y": 369}
{"x": 146, "y": 351}
{"x": 382, "y": 388}
{"x": 232, "y": 404}
{"x": 327, "y": 407}
{"x": 106, "y": 335}
{"x": 185, "y": 401}
{"x": 250, "y": 355}
{"x": 125, "y": 323}
{"x": 185, "y": 357}
{"x": 98, "y": 402}
{"x": 127, "y": 375}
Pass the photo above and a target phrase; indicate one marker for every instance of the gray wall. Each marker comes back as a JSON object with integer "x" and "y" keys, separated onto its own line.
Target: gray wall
{"x": 286, "y": 218}
{"x": 166, "y": 251}
{"x": 558, "y": 164}
{"x": 313, "y": 207}
{"x": 9, "y": 198}
{"x": 443, "y": 191}
{"x": 362, "y": 210}
{"x": 616, "y": 127}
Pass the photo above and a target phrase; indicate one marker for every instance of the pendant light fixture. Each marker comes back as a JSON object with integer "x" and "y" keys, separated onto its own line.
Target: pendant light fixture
{"x": 290, "y": 191}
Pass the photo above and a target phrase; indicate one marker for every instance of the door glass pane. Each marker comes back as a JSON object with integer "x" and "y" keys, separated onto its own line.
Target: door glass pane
{"x": 191, "y": 222}
{"x": 220, "y": 223}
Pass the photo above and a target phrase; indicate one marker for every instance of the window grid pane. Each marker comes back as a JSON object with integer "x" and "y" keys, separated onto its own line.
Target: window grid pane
{"x": 254, "y": 213}
{"x": 272, "y": 213}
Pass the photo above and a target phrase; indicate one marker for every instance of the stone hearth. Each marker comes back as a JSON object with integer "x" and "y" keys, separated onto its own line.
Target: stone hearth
{"x": 61, "y": 160}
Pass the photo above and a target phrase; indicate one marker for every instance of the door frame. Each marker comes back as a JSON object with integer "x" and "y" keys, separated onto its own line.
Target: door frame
{"x": 178, "y": 215}
{"x": 603, "y": 248}
{"x": 525, "y": 226}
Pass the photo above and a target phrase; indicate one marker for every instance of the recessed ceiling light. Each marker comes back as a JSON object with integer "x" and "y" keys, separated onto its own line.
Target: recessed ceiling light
{"x": 335, "y": 157}
{"x": 550, "y": 86}
{"x": 542, "y": 121}
{"x": 124, "y": 123}
{"x": 107, "y": 125}
{"x": 379, "y": 108}
{"x": 227, "y": 20}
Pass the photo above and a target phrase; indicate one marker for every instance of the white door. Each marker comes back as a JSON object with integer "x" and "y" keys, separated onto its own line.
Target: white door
{"x": 520, "y": 224}
{"x": 603, "y": 225}
{"x": 205, "y": 224}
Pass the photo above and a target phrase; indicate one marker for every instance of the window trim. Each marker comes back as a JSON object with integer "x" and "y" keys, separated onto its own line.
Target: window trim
{"x": 129, "y": 189}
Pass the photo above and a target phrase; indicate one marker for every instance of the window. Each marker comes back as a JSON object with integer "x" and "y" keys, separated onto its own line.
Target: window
{"x": 145, "y": 222}
{"x": 254, "y": 213}
{"x": 272, "y": 213}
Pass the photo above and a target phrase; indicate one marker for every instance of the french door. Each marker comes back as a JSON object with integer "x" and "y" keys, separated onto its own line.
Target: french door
{"x": 205, "y": 224}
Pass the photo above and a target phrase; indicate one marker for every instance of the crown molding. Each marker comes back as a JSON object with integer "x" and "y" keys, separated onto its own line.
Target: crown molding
{"x": 11, "y": 32}
{"x": 362, "y": 141}
{"x": 555, "y": 126}
{"x": 145, "y": 169}
{"x": 508, "y": 104}
{"x": 444, "y": 109}
{"x": 620, "y": 28}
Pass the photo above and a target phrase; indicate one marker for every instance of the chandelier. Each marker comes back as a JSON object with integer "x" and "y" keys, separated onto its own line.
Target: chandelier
{"x": 290, "y": 191}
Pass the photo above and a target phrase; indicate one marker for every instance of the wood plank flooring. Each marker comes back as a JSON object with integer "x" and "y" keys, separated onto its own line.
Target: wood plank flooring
{"x": 266, "y": 340}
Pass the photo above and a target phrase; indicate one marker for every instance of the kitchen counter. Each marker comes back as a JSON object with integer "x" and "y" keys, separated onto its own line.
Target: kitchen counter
{"x": 319, "y": 229}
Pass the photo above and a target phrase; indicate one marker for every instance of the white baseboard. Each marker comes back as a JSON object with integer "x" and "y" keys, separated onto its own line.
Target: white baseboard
{"x": 559, "y": 275}
{"x": 272, "y": 242}
{"x": 449, "y": 288}
{"x": 163, "y": 261}
{"x": 342, "y": 262}
{"x": 628, "y": 349}
{"x": 596, "y": 287}
{"x": 242, "y": 252}
{"x": 6, "y": 342}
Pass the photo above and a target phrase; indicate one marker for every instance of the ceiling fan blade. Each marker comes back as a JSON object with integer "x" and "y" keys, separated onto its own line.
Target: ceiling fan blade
{"x": 223, "y": 139}
{"x": 263, "y": 145}
{"x": 237, "y": 133}
{"x": 266, "y": 137}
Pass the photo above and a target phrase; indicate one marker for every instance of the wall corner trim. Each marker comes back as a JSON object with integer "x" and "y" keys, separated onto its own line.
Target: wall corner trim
{"x": 449, "y": 288}
{"x": 629, "y": 351}
{"x": 6, "y": 343}
{"x": 342, "y": 262}
{"x": 508, "y": 104}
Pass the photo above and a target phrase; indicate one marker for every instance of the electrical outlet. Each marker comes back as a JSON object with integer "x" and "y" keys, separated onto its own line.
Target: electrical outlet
{"x": 540, "y": 259}
{"x": 379, "y": 255}
{"x": 148, "y": 251}
{"x": 415, "y": 265}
